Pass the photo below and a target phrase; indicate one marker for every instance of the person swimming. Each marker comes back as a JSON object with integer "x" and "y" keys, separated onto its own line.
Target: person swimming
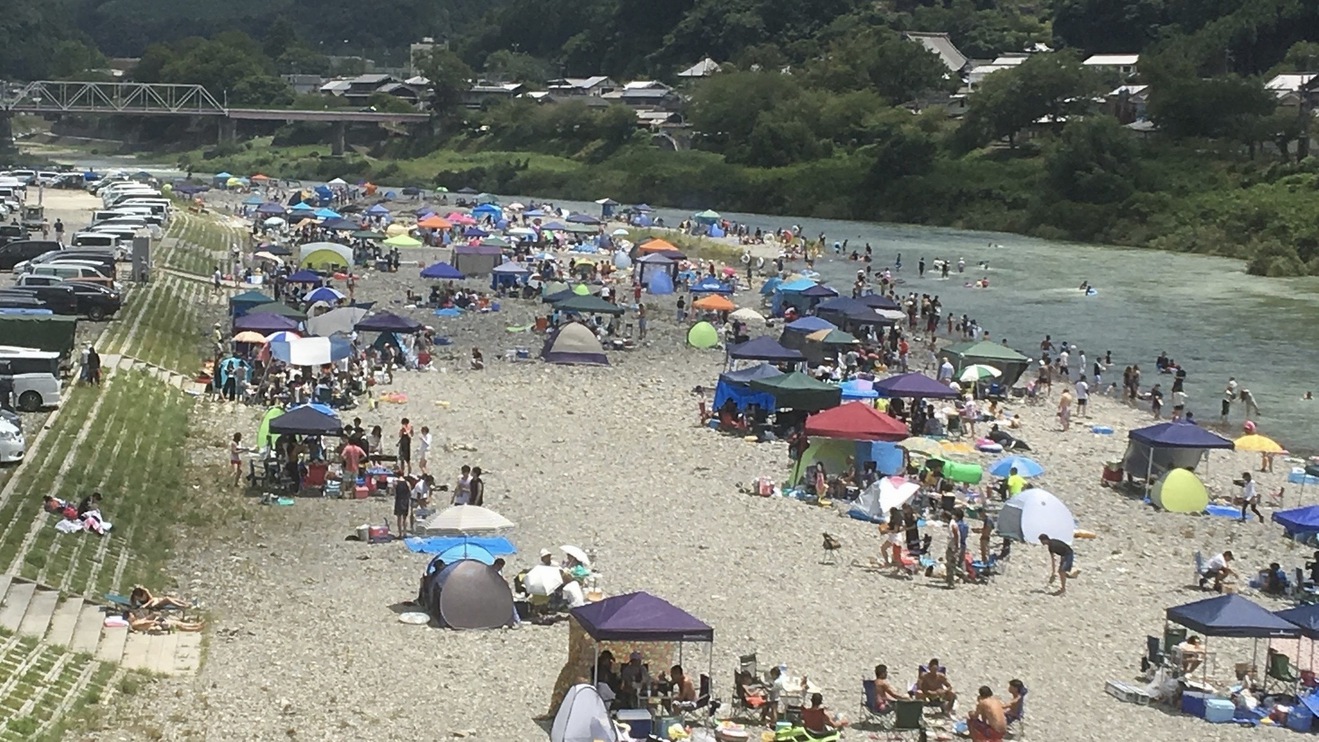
{"x": 1085, "y": 285}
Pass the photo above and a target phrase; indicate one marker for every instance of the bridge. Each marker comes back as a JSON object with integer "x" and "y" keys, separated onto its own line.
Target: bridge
{"x": 44, "y": 97}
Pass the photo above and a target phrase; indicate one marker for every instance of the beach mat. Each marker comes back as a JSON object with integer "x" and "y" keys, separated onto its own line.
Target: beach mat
{"x": 1223, "y": 511}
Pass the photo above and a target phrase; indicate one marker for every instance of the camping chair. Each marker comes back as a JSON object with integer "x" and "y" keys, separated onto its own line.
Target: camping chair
{"x": 1154, "y": 658}
{"x": 745, "y": 678}
{"x": 908, "y": 717}
{"x": 1172, "y": 636}
{"x": 870, "y": 708}
{"x": 701, "y": 711}
{"x": 1280, "y": 669}
{"x": 831, "y": 548}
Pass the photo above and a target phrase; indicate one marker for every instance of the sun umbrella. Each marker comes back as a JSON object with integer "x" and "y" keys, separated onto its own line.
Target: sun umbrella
{"x": 543, "y": 579}
{"x": 274, "y": 221}
{"x": 746, "y": 314}
{"x": 248, "y": 336}
{"x": 283, "y": 336}
{"x": 266, "y": 255}
{"x": 894, "y": 492}
{"x": 1034, "y": 512}
{"x": 833, "y": 337}
{"x": 714, "y": 303}
{"x": 926, "y": 446}
{"x": 978, "y": 371}
{"x": 620, "y": 232}
{"x": 324, "y": 293}
{"x": 576, "y": 552}
{"x": 395, "y": 229}
{"x": 1024, "y": 466}
{"x": 1257, "y": 443}
{"x": 402, "y": 240}
{"x": 467, "y": 519}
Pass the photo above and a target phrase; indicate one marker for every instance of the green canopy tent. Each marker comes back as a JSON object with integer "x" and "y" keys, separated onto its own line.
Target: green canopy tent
{"x": 1003, "y": 358}
{"x": 587, "y": 304}
{"x": 280, "y": 308}
{"x": 797, "y": 391}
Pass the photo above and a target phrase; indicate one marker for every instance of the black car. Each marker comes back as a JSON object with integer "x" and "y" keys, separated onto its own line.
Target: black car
{"x": 21, "y": 301}
{"x": 13, "y": 253}
{"x": 59, "y": 298}
{"x": 12, "y": 233}
{"x": 94, "y": 300}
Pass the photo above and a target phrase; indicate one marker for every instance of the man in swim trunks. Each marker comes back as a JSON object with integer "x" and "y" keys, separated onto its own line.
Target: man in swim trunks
{"x": 933, "y": 685}
{"x": 987, "y": 721}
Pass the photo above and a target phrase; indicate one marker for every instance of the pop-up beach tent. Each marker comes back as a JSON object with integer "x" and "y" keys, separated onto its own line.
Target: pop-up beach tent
{"x": 1034, "y": 512}
{"x": 574, "y": 343}
{"x": 1180, "y": 491}
{"x": 583, "y": 716}
{"x": 703, "y": 335}
{"x": 470, "y": 594}
{"x": 1003, "y": 358}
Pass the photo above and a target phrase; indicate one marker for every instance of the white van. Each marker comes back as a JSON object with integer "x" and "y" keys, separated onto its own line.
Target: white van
{"x": 73, "y": 272}
{"x": 119, "y": 191}
{"x": 94, "y": 239}
{"x": 35, "y": 375}
{"x": 159, "y": 206}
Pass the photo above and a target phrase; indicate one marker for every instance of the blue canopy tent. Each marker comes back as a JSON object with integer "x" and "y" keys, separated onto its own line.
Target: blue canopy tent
{"x": 876, "y": 301}
{"x": 327, "y": 213}
{"x": 795, "y": 332}
{"x": 789, "y": 293}
{"x": 1231, "y": 616}
{"x": 377, "y": 210}
{"x": 735, "y": 386}
{"x": 1176, "y": 445}
{"x": 764, "y": 348}
{"x": 271, "y": 209}
{"x": 1297, "y": 521}
{"x": 475, "y": 231}
{"x": 711, "y": 285}
{"x": 339, "y": 224}
{"x": 305, "y": 276}
{"x": 508, "y": 275}
{"x": 494, "y": 213}
{"x": 442, "y": 272}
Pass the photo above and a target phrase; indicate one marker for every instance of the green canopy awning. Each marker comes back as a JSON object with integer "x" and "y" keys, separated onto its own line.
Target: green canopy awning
{"x": 588, "y": 304}
{"x": 1001, "y": 357}
{"x": 280, "y": 308}
{"x": 798, "y": 391}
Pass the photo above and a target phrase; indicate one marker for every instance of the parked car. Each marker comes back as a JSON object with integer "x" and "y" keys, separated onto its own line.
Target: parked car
{"x": 59, "y": 299}
{"x": 95, "y": 301}
{"x": 12, "y": 445}
{"x": 16, "y": 252}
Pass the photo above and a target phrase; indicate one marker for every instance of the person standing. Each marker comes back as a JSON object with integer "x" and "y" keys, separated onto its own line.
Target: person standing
{"x": 235, "y": 457}
{"x": 1065, "y": 409}
{"x": 1248, "y": 401}
{"x": 1062, "y": 562}
{"x": 477, "y": 487}
{"x": 681, "y": 314}
{"x": 1249, "y": 497}
{"x": 641, "y": 321}
{"x": 1178, "y": 402}
{"x": 216, "y": 277}
{"x": 402, "y": 502}
{"x": 423, "y": 450}
{"x": 952, "y": 550}
{"x": 94, "y": 365}
{"x": 1229, "y": 394}
{"x": 1156, "y": 401}
{"x": 405, "y": 446}
{"x": 59, "y": 232}
{"x": 920, "y": 267}
{"x": 1082, "y": 396}
{"x": 462, "y": 492}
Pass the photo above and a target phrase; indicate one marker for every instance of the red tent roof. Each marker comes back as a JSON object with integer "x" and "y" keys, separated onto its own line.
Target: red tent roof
{"x": 856, "y": 421}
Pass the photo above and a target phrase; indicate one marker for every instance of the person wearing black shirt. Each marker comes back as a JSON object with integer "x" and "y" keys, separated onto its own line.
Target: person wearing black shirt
{"x": 1061, "y": 562}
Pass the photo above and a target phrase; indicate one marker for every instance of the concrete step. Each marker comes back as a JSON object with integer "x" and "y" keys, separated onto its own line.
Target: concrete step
{"x": 65, "y": 621}
{"x": 188, "y": 653}
{"x": 112, "y": 644}
{"x": 40, "y": 610}
{"x": 160, "y": 658}
{"x": 137, "y": 651}
{"x": 87, "y": 632}
{"x": 15, "y": 605}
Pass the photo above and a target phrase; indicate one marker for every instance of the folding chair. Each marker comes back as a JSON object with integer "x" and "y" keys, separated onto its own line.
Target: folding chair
{"x": 700, "y": 712}
{"x": 1172, "y": 636}
{"x": 1199, "y": 567}
{"x": 831, "y": 548}
{"x": 1280, "y": 669}
{"x": 870, "y": 708}
{"x": 747, "y": 674}
{"x": 1154, "y": 658}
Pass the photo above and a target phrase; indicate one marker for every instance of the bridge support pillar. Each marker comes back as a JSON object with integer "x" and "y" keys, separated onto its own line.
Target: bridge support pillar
{"x": 7, "y": 145}
{"x": 228, "y": 130}
{"x": 338, "y": 138}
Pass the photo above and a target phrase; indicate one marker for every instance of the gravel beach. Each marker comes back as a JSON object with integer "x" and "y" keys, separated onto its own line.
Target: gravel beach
{"x": 305, "y": 643}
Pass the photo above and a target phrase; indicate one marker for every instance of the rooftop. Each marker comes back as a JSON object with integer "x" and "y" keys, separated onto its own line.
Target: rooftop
{"x": 1112, "y": 60}
{"x": 703, "y": 68}
{"x": 941, "y": 44}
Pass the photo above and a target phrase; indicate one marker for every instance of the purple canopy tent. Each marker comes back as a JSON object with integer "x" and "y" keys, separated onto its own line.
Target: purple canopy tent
{"x": 764, "y": 348}
{"x": 388, "y": 322}
{"x": 914, "y": 385}
{"x": 819, "y": 291}
{"x": 1179, "y": 436}
{"x": 642, "y": 617}
{"x": 264, "y": 323}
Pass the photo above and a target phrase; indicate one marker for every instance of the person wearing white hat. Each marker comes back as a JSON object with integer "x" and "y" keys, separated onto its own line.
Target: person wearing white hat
{"x": 547, "y": 557}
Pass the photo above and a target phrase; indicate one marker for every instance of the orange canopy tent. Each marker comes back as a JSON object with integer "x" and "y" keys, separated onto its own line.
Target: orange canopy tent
{"x": 714, "y": 303}
{"x": 259, "y": 176}
{"x": 657, "y": 245}
{"x": 434, "y": 221}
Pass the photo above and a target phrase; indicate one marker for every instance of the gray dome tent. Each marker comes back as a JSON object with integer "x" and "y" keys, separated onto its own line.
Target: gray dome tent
{"x": 574, "y": 343}
{"x": 469, "y": 595}
{"x": 583, "y": 717}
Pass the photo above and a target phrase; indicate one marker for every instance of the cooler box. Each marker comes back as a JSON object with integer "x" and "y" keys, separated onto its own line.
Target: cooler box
{"x": 638, "y": 721}
{"x": 1193, "y": 703}
{"x": 1219, "y": 710}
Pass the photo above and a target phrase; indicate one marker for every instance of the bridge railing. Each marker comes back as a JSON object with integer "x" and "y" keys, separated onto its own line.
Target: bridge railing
{"x": 54, "y": 96}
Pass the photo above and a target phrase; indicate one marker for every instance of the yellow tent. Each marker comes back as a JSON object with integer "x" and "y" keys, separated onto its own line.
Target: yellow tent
{"x": 324, "y": 257}
{"x": 1180, "y": 491}
{"x": 702, "y": 335}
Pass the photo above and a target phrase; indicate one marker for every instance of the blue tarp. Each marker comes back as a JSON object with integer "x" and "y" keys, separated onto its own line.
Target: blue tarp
{"x": 1231, "y": 616}
{"x": 497, "y": 545}
{"x": 711, "y": 285}
{"x": 1178, "y": 435}
{"x": 1298, "y": 520}
{"x": 742, "y": 396}
{"x": 660, "y": 283}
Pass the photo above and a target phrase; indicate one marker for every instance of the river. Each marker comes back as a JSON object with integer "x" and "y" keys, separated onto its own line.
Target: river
{"x": 1205, "y": 312}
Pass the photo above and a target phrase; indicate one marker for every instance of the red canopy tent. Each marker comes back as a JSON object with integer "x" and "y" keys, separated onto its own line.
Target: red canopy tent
{"x": 856, "y": 421}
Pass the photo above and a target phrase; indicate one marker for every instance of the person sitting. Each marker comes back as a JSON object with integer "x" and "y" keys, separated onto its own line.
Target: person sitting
{"x": 148, "y": 623}
{"x": 817, "y": 721}
{"x": 987, "y": 721}
{"x": 1274, "y": 580}
{"x": 1218, "y": 569}
{"x": 932, "y": 685}
{"x": 89, "y": 503}
{"x": 633, "y": 678}
{"x": 1016, "y": 706}
{"x": 885, "y": 693}
{"x": 478, "y": 361}
{"x": 684, "y": 692}
{"x": 140, "y": 597}
{"x": 750, "y": 691}
{"x": 1192, "y": 654}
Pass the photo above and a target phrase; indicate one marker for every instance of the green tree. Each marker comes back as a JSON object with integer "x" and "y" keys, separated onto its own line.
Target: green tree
{"x": 1094, "y": 162}
{"x": 882, "y": 61}
{"x": 1112, "y": 26}
{"x": 1221, "y": 107}
{"x": 450, "y": 79}
{"x": 1046, "y": 86}
{"x": 504, "y": 65}
{"x": 723, "y": 106}
{"x": 73, "y": 58}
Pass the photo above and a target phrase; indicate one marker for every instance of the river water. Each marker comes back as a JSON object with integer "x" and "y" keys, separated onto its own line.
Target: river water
{"x": 1205, "y": 312}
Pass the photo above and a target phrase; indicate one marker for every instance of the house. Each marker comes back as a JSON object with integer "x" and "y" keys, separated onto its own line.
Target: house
{"x": 981, "y": 70}
{"x": 547, "y": 97}
{"x": 403, "y": 91}
{"x": 645, "y": 94}
{"x": 304, "y": 84}
{"x": 942, "y": 45}
{"x": 659, "y": 119}
{"x": 487, "y": 92}
{"x": 335, "y": 87}
{"x": 1123, "y": 64}
{"x": 704, "y": 68}
{"x": 1291, "y": 89}
{"x": 362, "y": 87}
{"x": 596, "y": 85}
{"x": 1128, "y": 103}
